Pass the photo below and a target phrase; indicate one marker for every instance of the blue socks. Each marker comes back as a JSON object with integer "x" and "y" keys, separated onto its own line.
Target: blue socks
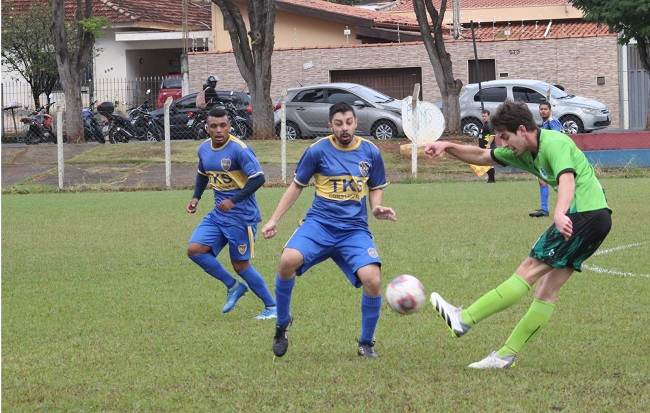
{"x": 543, "y": 197}
{"x": 370, "y": 308}
{"x": 283, "y": 289}
{"x": 213, "y": 267}
{"x": 257, "y": 285}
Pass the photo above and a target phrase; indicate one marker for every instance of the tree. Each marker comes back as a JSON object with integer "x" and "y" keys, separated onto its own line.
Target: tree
{"x": 73, "y": 40}
{"x": 27, "y": 47}
{"x": 253, "y": 56}
{"x": 440, "y": 60}
{"x": 627, "y": 17}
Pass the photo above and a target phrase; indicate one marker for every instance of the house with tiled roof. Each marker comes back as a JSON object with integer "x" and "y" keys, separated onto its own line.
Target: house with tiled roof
{"x": 145, "y": 38}
{"x": 380, "y": 46}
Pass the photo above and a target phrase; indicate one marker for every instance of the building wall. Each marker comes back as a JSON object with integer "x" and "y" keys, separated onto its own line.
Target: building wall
{"x": 291, "y": 30}
{"x": 486, "y": 15}
{"x": 574, "y": 63}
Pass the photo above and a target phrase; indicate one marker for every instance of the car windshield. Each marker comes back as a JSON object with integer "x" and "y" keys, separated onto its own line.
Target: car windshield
{"x": 175, "y": 82}
{"x": 370, "y": 95}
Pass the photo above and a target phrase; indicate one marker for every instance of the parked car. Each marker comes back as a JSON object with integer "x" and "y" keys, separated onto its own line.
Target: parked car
{"x": 172, "y": 85}
{"x": 307, "y": 108}
{"x": 577, "y": 114}
{"x": 180, "y": 109}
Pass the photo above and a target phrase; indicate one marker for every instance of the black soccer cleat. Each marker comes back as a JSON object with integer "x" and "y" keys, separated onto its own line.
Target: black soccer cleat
{"x": 280, "y": 340}
{"x": 367, "y": 350}
{"x": 539, "y": 213}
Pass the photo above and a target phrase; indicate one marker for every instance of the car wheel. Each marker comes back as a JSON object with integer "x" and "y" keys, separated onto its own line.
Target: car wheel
{"x": 293, "y": 131}
{"x": 571, "y": 124}
{"x": 383, "y": 130}
{"x": 471, "y": 127}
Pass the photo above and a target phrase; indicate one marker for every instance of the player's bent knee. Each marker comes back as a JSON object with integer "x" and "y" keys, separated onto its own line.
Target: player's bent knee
{"x": 194, "y": 248}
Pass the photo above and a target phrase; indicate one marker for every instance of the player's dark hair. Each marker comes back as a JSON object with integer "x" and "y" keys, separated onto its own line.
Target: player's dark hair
{"x": 546, "y": 103}
{"x": 510, "y": 115}
{"x": 487, "y": 112}
{"x": 218, "y": 113}
{"x": 341, "y": 107}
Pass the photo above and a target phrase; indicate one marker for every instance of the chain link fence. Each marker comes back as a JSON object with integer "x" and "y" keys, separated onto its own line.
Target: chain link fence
{"x": 18, "y": 102}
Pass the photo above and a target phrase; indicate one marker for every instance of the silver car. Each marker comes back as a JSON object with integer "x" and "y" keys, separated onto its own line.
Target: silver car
{"x": 307, "y": 108}
{"x": 577, "y": 114}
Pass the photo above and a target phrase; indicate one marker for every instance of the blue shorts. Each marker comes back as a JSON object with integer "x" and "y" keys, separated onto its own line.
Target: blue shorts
{"x": 240, "y": 238}
{"x": 349, "y": 249}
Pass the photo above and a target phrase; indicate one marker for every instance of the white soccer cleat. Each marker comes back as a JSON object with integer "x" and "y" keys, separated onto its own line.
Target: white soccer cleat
{"x": 493, "y": 361}
{"x": 450, "y": 314}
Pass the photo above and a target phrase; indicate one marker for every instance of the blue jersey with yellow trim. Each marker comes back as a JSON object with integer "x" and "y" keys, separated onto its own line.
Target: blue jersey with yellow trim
{"x": 229, "y": 168}
{"x": 343, "y": 178}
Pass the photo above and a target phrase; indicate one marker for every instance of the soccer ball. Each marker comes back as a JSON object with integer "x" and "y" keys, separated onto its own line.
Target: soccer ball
{"x": 405, "y": 294}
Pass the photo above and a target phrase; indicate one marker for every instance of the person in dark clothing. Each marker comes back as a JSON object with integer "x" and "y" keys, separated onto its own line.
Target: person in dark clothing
{"x": 486, "y": 140}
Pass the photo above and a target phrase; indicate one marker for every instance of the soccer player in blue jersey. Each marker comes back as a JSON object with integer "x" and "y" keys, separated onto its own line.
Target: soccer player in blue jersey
{"x": 230, "y": 168}
{"x": 581, "y": 221}
{"x": 348, "y": 173}
{"x": 548, "y": 122}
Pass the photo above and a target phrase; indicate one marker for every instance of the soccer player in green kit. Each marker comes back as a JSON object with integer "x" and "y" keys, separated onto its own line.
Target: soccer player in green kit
{"x": 582, "y": 220}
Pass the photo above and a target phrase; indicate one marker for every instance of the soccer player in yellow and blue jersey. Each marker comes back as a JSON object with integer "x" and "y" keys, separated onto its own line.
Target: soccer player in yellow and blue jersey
{"x": 230, "y": 168}
{"x": 348, "y": 172}
{"x": 581, "y": 221}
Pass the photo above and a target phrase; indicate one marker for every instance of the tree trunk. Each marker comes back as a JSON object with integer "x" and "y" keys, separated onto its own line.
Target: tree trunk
{"x": 72, "y": 56}
{"x": 254, "y": 57}
{"x": 440, "y": 61}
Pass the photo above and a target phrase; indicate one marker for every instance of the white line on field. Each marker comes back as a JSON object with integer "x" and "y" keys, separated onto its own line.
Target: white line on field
{"x": 614, "y": 272}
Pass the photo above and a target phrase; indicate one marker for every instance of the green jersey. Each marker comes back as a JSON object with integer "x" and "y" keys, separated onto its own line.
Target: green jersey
{"x": 558, "y": 154}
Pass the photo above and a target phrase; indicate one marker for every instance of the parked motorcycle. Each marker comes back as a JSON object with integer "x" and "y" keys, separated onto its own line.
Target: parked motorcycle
{"x": 141, "y": 118}
{"x": 92, "y": 130}
{"x": 38, "y": 126}
{"x": 198, "y": 120}
{"x": 123, "y": 128}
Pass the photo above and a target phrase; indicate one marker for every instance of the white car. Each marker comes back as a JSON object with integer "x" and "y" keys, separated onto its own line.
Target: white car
{"x": 307, "y": 107}
{"x": 577, "y": 114}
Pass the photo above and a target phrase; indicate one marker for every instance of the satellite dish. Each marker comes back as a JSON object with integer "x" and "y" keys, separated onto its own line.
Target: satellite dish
{"x": 431, "y": 122}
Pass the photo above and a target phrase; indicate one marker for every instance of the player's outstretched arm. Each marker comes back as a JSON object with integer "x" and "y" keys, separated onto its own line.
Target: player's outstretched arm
{"x": 286, "y": 202}
{"x": 378, "y": 210}
{"x": 465, "y": 153}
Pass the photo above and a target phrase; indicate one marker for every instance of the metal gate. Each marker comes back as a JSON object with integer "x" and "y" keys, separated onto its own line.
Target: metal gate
{"x": 638, "y": 89}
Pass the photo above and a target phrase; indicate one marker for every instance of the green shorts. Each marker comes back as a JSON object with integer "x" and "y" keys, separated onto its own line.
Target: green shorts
{"x": 589, "y": 231}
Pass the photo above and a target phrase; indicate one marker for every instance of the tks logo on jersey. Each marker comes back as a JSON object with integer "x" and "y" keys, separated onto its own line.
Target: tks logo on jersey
{"x": 222, "y": 181}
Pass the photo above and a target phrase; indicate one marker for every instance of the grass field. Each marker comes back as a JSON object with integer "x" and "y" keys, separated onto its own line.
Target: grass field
{"x": 102, "y": 311}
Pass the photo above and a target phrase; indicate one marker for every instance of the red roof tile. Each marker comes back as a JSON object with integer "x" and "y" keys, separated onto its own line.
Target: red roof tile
{"x": 407, "y": 5}
{"x": 335, "y": 8}
{"x": 535, "y": 30}
{"x": 167, "y": 12}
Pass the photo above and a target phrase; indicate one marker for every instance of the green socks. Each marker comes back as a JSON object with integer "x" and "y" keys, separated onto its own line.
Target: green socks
{"x": 535, "y": 319}
{"x": 502, "y": 297}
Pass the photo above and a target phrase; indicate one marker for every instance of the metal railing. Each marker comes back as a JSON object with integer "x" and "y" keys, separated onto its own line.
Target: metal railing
{"x": 18, "y": 102}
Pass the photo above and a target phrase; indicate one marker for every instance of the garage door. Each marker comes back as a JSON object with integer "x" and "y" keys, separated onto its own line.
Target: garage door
{"x": 397, "y": 82}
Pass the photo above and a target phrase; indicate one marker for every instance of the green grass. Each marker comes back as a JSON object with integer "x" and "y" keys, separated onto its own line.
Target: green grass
{"x": 102, "y": 311}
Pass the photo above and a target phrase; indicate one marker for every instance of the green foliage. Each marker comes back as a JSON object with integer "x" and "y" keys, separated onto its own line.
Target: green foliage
{"x": 102, "y": 311}
{"x": 94, "y": 25}
{"x": 630, "y": 17}
{"x": 27, "y": 46}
